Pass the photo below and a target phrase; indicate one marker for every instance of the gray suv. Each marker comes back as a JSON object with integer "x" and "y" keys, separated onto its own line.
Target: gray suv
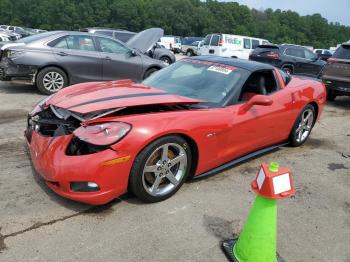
{"x": 336, "y": 74}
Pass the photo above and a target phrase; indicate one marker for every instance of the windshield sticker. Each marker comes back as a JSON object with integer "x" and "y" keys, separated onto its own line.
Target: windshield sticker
{"x": 212, "y": 65}
{"x": 220, "y": 69}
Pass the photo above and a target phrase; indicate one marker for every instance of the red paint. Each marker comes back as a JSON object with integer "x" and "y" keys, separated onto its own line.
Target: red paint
{"x": 221, "y": 134}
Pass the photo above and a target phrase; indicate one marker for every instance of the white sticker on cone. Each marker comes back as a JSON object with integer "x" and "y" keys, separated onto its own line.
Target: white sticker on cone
{"x": 281, "y": 183}
{"x": 261, "y": 178}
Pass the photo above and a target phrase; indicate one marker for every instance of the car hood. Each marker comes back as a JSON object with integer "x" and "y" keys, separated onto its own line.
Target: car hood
{"x": 98, "y": 96}
{"x": 145, "y": 40}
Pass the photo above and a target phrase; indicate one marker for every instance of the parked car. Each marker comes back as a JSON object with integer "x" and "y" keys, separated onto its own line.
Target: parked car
{"x": 226, "y": 45}
{"x": 172, "y": 43}
{"x": 4, "y": 37}
{"x": 11, "y": 36}
{"x": 19, "y": 30}
{"x": 293, "y": 59}
{"x": 323, "y": 54}
{"x": 336, "y": 74}
{"x": 187, "y": 44}
{"x": 192, "y": 119}
{"x": 157, "y": 51}
{"x": 54, "y": 60}
{"x": 192, "y": 49}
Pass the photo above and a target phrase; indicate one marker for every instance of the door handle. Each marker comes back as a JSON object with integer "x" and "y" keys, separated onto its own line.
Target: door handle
{"x": 62, "y": 54}
{"x": 108, "y": 58}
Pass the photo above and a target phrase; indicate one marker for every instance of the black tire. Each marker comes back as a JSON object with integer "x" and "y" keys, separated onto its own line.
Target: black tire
{"x": 288, "y": 69}
{"x": 293, "y": 138}
{"x": 166, "y": 60}
{"x": 189, "y": 53}
{"x": 150, "y": 72}
{"x": 136, "y": 185}
{"x": 53, "y": 70}
{"x": 331, "y": 95}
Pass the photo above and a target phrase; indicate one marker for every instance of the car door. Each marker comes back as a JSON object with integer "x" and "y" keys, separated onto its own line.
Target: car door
{"x": 259, "y": 126}
{"x": 77, "y": 54}
{"x": 312, "y": 64}
{"x": 214, "y": 48}
{"x": 118, "y": 60}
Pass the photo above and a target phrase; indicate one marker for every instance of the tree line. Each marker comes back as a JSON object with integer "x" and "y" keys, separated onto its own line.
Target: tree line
{"x": 176, "y": 17}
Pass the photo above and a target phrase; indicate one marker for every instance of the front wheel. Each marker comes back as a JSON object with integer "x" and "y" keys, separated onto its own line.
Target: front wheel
{"x": 160, "y": 169}
{"x": 166, "y": 60}
{"x": 51, "y": 79}
{"x": 303, "y": 126}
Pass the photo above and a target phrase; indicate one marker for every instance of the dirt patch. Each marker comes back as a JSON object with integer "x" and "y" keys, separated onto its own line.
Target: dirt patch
{"x": 249, "y": 170}
{"x": 221, "y": 228}
{"x": 335, "y": 166}
{"x": 9, "y": 116}
{"x": 2, "y": 242}
{"x": 314, "y": 143}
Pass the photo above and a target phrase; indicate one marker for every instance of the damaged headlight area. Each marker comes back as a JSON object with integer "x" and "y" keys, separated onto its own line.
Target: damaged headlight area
{"x": 96, "y": 137}
{"x": 103, "y": 134}
{"x": 51, "y": 121}
{"x": 12, "y": 53}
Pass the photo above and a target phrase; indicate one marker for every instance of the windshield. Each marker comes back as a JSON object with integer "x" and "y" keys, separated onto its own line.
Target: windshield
{"x": 32, "y": 38}
{"x": 204, "y": 80}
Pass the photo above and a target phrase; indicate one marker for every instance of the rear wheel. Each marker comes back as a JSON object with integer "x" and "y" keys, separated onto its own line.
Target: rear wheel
{"x": 150, "y": 72}
{"x": 160, "y": 169}
{"x": 51, "y": 79}
{"x": 288, "y": 70}
{"x": 189, "y": 53}
{"x": 303, "y": 126}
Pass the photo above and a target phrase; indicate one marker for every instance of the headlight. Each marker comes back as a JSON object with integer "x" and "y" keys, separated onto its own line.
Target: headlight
{"x": 38, "y": 107}
{"x": 12, "y": 53}
{"x": 102, "y": 134}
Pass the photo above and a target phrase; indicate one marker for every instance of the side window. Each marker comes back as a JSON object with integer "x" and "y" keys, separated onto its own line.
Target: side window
{"x": 110, "y": 46}
{"x": 326, "y": 52}
{"x": 286, "y": 77}
{"x": 255, "y": 43}
{"x": 309, "y": 55}
{"x": 207, "y": 40}
{"x": 259, "y": 83}
{"x": 60, "y": 43}
{"x": 246, "y": 43}
{"x": 296, "y": 52}
{"x": 215, "y": 40}
{"x": 11, "y": 28}
{"x": 318, "y": 51}
{"x": 76, "y": 42}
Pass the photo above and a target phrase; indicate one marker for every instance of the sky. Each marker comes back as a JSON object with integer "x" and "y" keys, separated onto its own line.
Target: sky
{"x": 332, "y": 10}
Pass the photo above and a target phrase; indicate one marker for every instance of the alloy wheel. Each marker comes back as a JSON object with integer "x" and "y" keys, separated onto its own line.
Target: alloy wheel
{"x": 304, "y": 126}
{"x": 164, "y": 169}
{"x": 53, "y": 81}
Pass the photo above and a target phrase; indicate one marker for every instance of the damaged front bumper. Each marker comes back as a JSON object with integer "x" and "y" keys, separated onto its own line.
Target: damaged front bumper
{"x": 10, "y": 71}
{"x": 55, "y": 159}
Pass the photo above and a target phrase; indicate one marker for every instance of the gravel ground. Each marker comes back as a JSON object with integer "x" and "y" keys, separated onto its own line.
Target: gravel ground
{"x": 37, "y": 225}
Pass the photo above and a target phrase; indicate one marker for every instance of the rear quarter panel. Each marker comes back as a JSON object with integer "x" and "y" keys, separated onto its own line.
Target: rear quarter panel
{"x": 306, "y": 90}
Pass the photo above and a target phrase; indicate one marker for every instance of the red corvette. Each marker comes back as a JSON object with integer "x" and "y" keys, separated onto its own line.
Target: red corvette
{"x": 93, "y": 142}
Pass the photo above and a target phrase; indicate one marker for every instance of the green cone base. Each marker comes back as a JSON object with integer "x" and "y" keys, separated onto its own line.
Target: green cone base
{"x": 227, "y": 247}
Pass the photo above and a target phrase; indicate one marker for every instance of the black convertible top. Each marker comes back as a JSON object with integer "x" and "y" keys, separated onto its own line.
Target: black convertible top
{"x": 241, "y": 63}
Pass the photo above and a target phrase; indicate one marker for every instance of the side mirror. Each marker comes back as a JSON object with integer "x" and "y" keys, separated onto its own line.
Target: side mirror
{"x": 257, "y": 100}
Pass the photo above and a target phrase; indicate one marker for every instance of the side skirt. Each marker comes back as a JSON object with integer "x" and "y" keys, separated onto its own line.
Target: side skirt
{"x": 238, "y": 161}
